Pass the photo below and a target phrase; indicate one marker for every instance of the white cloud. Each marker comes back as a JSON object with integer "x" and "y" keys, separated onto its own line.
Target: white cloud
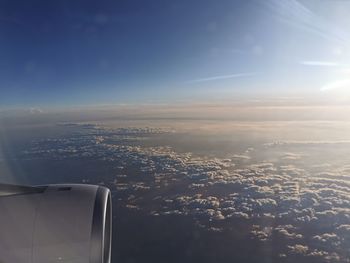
{"x": 209, "y": 190}
{"x": 298, "y": 249}
{"x": 221, "y": 77}
{"x": 319, "y": 63}
{"x": 298, "y": 15}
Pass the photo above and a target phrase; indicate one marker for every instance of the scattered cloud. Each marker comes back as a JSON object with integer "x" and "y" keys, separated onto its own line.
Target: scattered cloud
{"x": 274, "y": 201}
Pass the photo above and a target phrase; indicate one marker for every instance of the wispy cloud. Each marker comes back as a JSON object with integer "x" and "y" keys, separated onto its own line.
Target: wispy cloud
{"x": 231, "y": 76}
{"x": 320, "y": 63}
{"x": 296, "y": 14}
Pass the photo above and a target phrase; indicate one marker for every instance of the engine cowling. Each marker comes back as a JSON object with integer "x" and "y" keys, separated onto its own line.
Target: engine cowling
{"x": 55, "y": 223}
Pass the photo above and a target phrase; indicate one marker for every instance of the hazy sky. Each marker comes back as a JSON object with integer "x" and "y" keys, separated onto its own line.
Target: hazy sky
{"x": 95, "y": 52}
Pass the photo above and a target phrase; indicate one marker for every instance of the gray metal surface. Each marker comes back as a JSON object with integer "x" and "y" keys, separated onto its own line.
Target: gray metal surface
{"x": 59, "y": 223}
{"x": 9, "y": 189}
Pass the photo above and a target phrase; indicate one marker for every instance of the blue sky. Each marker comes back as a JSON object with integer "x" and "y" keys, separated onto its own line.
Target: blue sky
{"x": 96, "y": 52}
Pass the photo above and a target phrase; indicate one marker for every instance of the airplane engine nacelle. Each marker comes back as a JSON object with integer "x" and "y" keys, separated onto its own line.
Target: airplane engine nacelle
{"x": 55, "y": 223}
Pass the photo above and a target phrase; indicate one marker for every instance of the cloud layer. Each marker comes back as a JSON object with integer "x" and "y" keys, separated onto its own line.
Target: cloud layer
{"x": 305, "y": 209}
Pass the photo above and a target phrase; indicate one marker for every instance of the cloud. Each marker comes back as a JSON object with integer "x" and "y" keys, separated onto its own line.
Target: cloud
{"x": 286, "y": 231}
{"x": 240, "y": 157}
{"x": 320, "y": 63}
{"x": 291, "y": 156}
{"x": 295, "y": 14}
{"x": 231, "y": 76}
{"x": 298, "y": 249}
{"x": 305, "y": 142}
{"x": 20, "y": 112}
{"x": 328, "y": 239}
{"x": 35, "y": 111}
{"x": 283, "y": 200}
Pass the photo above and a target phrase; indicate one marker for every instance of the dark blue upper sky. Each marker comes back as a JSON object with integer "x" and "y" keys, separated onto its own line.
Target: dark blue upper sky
{"x": 93, "y": 52}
